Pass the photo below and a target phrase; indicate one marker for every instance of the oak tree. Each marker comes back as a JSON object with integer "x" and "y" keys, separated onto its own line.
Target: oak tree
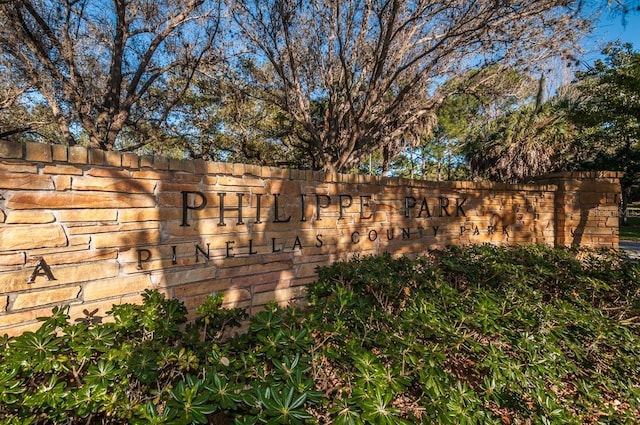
{"x": 359, "y": 75}
{"x": 105, "y": 65}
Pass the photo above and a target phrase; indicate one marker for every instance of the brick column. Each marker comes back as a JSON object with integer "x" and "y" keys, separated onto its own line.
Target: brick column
{"x": 586, "y": 208}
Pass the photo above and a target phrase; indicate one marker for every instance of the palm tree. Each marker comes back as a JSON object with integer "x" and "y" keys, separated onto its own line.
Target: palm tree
{"x": 523, "y": 143}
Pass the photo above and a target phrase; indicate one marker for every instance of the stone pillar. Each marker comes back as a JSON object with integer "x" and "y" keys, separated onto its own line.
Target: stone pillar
{"x": 586, "y": 208}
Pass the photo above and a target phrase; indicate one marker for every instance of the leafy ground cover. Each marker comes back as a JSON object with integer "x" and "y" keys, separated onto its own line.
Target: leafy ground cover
{"x": 467, "y": 335}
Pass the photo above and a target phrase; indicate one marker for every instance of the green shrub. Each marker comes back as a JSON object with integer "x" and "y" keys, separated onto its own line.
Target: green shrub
{"x": 474, "y": 334}
{"x": 147, "y": 367}
{"x": 481, "y": 334}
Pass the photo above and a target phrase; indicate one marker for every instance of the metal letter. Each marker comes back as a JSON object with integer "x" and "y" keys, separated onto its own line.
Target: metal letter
{"x": 230, "y": 248}
{"x": 321, "y": 205}
{"x": 444, "y": 203}
{"x": 42, "y": 269}
{"x": 297, "y": 243}
{"x": 223, "y": 209}
{"x": 186, "y": 207}
{"x": 459, "y": 210}
{"x": 364, "y": 204}
{"x": 349, "y": 199}
{"x": 143, "y": 260}
{"x": 409, "y": 202}
{"x": 201, "y": 251}
{"x": 276, "y": 218}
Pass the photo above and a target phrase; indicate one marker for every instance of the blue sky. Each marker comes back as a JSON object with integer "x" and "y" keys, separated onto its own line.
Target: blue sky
{"x": 611, "y": 28}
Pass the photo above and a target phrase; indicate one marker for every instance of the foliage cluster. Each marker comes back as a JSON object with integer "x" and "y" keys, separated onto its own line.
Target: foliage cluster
{"x": 477, "y": 334}
{"x": 427, "y": 89}
{"x": 320, "y": 84}
{"x": 608, "y": 114}
{"x": 507, "y": 129}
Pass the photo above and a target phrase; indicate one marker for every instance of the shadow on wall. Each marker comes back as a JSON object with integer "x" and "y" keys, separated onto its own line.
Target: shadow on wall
{"x": 91, "y": 229}
{"x": 587, "y": 213}
{"x": 70, "y": 216}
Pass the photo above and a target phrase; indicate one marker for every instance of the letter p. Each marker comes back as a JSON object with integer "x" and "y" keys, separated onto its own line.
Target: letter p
{"x": 195, "y": 206}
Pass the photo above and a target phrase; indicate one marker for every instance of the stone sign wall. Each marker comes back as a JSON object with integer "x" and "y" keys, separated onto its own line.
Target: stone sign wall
{"x": 90, "y": 229}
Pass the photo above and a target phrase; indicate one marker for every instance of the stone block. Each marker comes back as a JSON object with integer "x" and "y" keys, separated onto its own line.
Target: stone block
{"x": 62, "y": 169}
{"x": 130, "y": 160}
{"x": 14, "y": 237}
{"x": 63, "y": 295}
{"x": 112, "y": 288}
{"x": 188, "y": 166}
{"x": 80, "y": 241}
{"x": 113, "y": 185}
{"x": 252, "y": 269}
{"x": 176, "y": 164}
{"x": 18, "y": 318}
{"x": 98, "y": 310}
{"x": 224, "y": 168}
{"x": 252, "y": 170}
{"x": 109, "y": 172}
{"x": 160, "y": 163}
{"x": 78, "y": 155}
{"x": 12, "y": 259}
{"x": 234, "y": 297}
{"x": 97, "y": 157}
{"x": 18, "y": 167}
{"x": 64, "y": 274}
{"x": 57, "y": 200}
{"x": 245, "y": 182}
{"x": 213, "y": 167}
{"x": 169, "y": 186}
{"x": 308, "y": 270}
{"x": 124, "y": 239}
{"x": 283, "y": 296}
{"x": 146, "y": 161}
{"x": 186, "y": 177}
{"x": 4, "y": 301}
{"x": 62, "y": 183}
{"x": 199, "y": 166}
{"x": 592, "y": 198}
{"x": 146, "y": 214}
{"x": 170, "y": 199}
{"x": 39, "y": 152}
{"x": 74, "y": 257}
{"x": 202, "y": 273}
{"x": 201, "y": 288}
{"x": 21, "y": 328}
{"x": 612, "y": 222}
{"x": 239, "y": 169}
{"x": 25, "y": 181}
{"x": 88, "y": 215}
{"x": 29, "y": 217}
{"x": 261, "y": 279}
{"x": 113, "y": 158}
{"x": 60, "y": 153}
{"x": 151, "y": 174}
{"x": 11, "y": 150}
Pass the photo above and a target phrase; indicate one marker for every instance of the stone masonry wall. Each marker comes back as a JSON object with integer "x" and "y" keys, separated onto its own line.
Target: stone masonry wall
{"x": 90, "y": 229}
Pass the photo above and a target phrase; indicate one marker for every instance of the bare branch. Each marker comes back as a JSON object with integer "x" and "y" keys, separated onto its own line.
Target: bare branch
{"x": 94, "y": 62}
{"x": 358, "y": 74}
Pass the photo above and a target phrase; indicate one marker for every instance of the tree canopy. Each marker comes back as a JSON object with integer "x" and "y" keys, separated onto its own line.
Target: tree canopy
{"x": 106, "y": 65}
{"x": 360, "y": 75}
{"x": 607, "y": 112}
{"x": 322, "y": 84}
{"x": 592, "y": 123}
